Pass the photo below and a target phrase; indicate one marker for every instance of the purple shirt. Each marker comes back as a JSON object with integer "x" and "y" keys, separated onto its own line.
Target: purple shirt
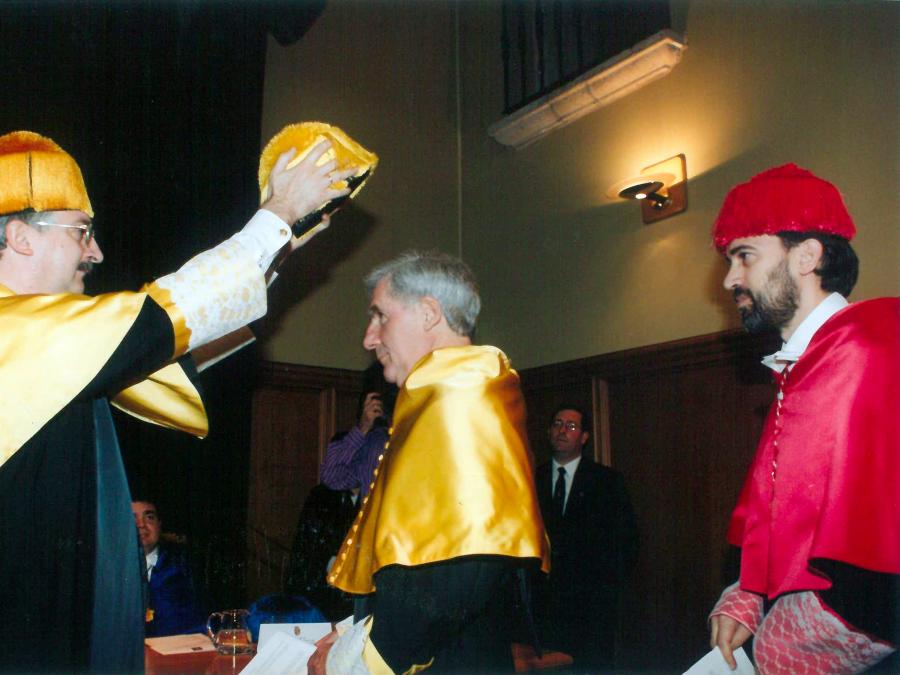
{"x": 350, "y": 461}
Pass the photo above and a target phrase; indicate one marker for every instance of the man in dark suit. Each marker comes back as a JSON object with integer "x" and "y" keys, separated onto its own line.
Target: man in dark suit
{"x": 593, "y": 546}
{"x": 173, "y": 607}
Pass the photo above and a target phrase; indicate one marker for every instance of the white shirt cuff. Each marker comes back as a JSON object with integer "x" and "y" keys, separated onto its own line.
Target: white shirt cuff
{"x": 263, "y": 236}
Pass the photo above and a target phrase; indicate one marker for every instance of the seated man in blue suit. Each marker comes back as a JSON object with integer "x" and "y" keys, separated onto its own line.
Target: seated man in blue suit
{"x": 172, "y": 607}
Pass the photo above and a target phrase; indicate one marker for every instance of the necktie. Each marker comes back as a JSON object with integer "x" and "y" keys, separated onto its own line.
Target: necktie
{"x": 559, "y": 493}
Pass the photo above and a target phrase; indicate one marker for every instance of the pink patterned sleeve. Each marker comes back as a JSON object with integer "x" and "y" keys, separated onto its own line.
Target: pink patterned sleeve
{"x": 742, "y": 606}
{"x": 801, "y": 635}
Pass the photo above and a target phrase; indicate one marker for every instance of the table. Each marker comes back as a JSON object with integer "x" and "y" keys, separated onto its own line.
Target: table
{"x": 208, "y": 663}
{"x": 527, "y": 660}
{"x": 193, "y": 664}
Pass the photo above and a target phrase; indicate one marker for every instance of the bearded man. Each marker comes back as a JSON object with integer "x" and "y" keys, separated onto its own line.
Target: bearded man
{"x": 817, "y": 519}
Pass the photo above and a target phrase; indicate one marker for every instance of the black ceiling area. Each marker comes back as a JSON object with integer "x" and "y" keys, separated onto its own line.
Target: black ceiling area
{"x": 160, "y": 103}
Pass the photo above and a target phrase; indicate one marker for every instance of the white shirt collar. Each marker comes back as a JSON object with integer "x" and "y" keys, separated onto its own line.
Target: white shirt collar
{"x": 793, "y": 349}
{"x": 570, "y": 468}
{"x": 152, "y": 559}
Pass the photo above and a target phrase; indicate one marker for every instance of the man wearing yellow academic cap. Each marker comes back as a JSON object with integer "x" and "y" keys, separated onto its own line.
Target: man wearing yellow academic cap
{"x": 452, "y": 519}
{"x": 70, "y": 597}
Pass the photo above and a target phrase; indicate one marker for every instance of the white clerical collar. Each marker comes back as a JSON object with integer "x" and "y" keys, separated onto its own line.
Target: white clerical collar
{"x": 793, "y": 349}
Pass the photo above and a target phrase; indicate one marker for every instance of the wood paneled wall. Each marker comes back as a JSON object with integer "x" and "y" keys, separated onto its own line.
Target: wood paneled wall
{"x": 296, "y": 410}
{"x": 680, "y": 420}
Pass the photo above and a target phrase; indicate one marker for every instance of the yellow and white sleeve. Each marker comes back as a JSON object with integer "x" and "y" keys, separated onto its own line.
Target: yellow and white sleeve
{"x": 224, "y": 288}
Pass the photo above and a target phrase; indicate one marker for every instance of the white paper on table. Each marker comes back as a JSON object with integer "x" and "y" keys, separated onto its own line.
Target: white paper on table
{"x": 311, "y": 632}
{"x": 715, "y": 664}
{"x": 283, "y": 655}
{"x": 181, "y": 644}
{"x": 344, "y": 625}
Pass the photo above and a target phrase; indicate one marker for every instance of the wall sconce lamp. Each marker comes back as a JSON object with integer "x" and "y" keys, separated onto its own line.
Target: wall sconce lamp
{"x": 661, "y": 188}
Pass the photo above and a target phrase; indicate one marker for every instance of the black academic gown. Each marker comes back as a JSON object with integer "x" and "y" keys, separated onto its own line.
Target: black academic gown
{"x": 462, "y": 612}
{"x": 70, "y": 563}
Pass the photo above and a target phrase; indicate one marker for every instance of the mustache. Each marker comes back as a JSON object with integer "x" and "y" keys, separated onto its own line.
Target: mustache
{"x": 86, "y": 267}
{"x": 738, "y": 291}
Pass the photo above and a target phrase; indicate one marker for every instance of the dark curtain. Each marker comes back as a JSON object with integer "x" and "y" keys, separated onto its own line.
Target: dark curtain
{"x": 160, "y": 103}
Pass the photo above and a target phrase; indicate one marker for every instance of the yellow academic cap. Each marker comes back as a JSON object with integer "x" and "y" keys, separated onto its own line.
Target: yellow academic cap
{"x": 35, "y": 173}
{"x": 347, "y": 153}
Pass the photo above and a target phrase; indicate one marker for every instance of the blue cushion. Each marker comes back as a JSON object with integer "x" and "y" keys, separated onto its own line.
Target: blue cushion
{"x": 278, "y": 608}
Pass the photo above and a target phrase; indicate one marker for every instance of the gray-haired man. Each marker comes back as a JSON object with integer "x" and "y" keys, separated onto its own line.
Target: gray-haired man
{"x": 452, "y": 513}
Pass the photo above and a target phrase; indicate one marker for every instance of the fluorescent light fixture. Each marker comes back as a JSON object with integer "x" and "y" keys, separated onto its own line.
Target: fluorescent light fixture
{"x": 624, "y": 73}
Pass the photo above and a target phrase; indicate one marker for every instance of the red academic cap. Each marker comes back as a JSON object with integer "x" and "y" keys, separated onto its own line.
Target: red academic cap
{"x": 784, "y": 199}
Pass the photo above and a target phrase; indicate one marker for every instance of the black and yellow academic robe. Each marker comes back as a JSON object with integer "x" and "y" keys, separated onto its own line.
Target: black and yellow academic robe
{"x": 451, "y": 517}
{"x": 70, "y": 565}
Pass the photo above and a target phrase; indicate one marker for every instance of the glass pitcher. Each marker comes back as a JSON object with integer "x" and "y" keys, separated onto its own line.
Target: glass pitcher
{"x": 229, "y": 632}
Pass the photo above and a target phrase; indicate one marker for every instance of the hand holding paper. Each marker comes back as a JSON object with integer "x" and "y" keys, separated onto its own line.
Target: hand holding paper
{"x": 715, "y": 664}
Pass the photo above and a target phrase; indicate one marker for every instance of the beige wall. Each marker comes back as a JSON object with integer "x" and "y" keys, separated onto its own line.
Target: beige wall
{"x": 564, "y": 272}
{"x": 388, "y": 78}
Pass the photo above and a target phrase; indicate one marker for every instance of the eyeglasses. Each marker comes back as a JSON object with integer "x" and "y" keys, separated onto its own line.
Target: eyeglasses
{"x": 87, "y": 231}
{"x": 569, "y": 426}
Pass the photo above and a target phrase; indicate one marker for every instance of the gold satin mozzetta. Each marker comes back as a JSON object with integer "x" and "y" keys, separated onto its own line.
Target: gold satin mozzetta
{"x": 456, "y": 479}
{"x": 163, "y": 298}
{"x": 167, "y": 398}
{"x": 66, "y": 339}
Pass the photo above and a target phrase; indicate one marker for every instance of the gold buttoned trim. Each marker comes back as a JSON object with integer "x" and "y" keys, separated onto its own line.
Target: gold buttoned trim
{"x": 349, "y": 542}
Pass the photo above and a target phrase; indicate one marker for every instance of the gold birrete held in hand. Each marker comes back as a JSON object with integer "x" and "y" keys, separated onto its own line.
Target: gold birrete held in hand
{"x": 347, "y": 154}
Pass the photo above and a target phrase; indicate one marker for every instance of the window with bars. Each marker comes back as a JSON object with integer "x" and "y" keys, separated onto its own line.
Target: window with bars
{"x": 549, "y": 43}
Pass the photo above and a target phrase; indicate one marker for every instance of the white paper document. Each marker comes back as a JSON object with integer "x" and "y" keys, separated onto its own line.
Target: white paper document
{"x": 311, "y": 632}
{"x": 181, "y": 644}
{"x": 282, "y": 655}
{"x": 715, "y": 664}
